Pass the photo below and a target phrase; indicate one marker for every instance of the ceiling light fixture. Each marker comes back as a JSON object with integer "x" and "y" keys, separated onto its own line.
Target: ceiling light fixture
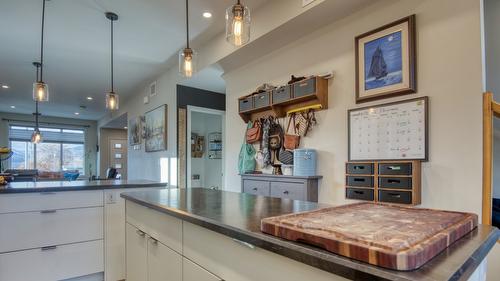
{"x": 187, "y": 57}
{"x": 40, "y": 88}
{"x": 238, "y": 24}
{"x": 12, "y": 106}
{"x": 125, "y": 127}
{"x": 36, "y": 137}
{"x": 77, "y": 113}
{"x": 207, "y": 15}
{"x": 5, "y": 86}
{"x": 90, "y": 98}
{"x": 112, "y": 98}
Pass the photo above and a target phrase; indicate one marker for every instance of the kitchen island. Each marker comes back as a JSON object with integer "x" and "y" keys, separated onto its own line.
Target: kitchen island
{"x": 215, "y": 235}
{"x": 64, "y": 229}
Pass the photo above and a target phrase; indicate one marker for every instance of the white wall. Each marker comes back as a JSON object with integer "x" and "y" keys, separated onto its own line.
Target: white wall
{"x": 449, "y": 72}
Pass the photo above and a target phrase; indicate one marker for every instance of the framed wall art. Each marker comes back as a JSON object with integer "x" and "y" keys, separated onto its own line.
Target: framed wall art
{"x": 386, "y": 61}
{"x": 135, "y": 128}
{"x": 156, "y": 129}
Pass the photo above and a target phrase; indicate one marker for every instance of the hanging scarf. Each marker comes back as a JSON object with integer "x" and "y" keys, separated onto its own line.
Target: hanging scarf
{"x": 265, "y": 142}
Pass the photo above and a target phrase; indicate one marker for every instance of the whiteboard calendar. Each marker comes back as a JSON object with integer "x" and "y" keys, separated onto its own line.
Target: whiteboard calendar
{"x": 391, "y": 131}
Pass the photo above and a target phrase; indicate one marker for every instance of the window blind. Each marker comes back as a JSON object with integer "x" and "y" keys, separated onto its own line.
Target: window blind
{"x": 23, "y": 133}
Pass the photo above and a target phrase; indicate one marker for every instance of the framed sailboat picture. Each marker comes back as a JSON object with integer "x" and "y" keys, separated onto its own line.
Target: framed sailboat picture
{"x": 386, "y": 61}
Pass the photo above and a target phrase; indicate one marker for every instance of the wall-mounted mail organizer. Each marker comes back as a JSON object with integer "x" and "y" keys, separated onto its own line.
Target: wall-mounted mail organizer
{"x": 306, "y": 93}
{"x": 397, "y": 182}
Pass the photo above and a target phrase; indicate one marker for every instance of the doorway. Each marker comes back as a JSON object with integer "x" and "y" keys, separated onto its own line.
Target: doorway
{"x": 205, "y": 153}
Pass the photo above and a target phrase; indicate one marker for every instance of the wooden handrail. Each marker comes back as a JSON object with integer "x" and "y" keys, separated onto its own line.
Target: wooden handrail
{"x": 490, "y": 109}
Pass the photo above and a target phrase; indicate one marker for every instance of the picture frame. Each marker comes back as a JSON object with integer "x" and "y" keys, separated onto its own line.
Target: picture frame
{"x": 156, "y": 129}
{"x": 386, "y": 61}
{"x": 383, "y": 137}
{"x": 136, "y": 130}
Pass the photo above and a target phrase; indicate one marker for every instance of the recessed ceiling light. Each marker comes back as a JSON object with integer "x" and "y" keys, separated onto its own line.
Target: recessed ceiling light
{"x": 207, "y": 15}
{"x": 12, "y": 106}
{"x": 5, "y": 86}
{"x": 90, "y": 98}
{"x": 77, "y": 113}
{"x": 125, "y": 127}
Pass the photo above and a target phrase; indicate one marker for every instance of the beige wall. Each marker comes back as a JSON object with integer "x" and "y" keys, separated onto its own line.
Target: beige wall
{"x": 105, "y": 135}
{"x": 90, "y": 134}
{"x": 449, "y": 72}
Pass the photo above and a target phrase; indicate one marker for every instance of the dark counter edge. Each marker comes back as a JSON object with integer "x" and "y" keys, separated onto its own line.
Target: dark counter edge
{"x": 281, "y": 176}
{"x": 315, "y": 257}
{"x": 80, "y": 188}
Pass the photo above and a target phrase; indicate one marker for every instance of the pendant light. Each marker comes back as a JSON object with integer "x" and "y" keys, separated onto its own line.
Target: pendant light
{"x": 40, "y": 88}
{"x": 187, "y": 57}
{"x": 36, "y": 137}
{"x": 238, "y": 24}
{"x": 112, "y": 98}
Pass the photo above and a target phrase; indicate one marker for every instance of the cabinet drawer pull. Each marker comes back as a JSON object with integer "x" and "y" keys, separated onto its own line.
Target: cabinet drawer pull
{"x": 254, "y": 189}
{"x": 359, "y": 167}
{"x": 394, "y": 168}
{"x": 394, "y": 181}
{"x": 153, "y": 240}
{"x": 140, "y": 233}
{"x": 396, "y": 195}
{"x": 359, "y": 179}
{"x": 245, "y": 244}
{"x": 47, "y": 193}
{"x": 49, "y": 248}
{"x": 48, "y": 211}
{"x": 285, "y": 192}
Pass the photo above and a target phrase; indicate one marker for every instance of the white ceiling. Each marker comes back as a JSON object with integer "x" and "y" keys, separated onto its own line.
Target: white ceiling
{"x": 77, "y": 51}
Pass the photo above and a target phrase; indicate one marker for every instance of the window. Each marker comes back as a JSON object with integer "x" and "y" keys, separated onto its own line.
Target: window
{"x": 61, "y": 149}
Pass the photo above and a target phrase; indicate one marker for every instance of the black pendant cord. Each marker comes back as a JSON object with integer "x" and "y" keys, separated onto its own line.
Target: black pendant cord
{"x": 187, "y": 24}
{"x": 41, "y": 42}
{"x": 112, "y": 62}
{"x": 36, "y": 114}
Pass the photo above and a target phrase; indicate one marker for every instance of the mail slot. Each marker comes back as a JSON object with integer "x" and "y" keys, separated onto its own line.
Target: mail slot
{"x": 394, "y": 182}
{"x": 359, "y": 168}
{"x": 362, "y": 181}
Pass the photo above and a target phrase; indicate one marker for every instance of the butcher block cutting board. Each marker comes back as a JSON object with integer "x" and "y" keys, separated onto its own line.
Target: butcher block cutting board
{"x": 390, "y": 236}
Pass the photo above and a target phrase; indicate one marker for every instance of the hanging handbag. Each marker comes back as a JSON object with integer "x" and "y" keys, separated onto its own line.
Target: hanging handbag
{"x": 286, "y": 157}
{"x": 254, "y": 133}
{"x": 246, "y": 158}
{"x": 301, "y": 124}
{"x": 292, "y": 141}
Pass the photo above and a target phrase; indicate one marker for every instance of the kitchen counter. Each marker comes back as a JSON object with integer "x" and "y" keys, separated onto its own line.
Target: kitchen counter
{"x": 55, "y": 186}
{"x": 239, "y": 215}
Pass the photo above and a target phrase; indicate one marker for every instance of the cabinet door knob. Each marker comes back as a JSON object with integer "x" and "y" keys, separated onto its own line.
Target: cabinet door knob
{"x": 153, "y": 240}
{"x": 140, "y": 233}
{"x": 285, "y": 192}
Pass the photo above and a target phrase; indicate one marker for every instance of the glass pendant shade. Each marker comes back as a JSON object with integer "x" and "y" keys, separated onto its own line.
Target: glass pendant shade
{"x": 40, "y": 91}
{"x": 188, "y": 60}
{"x": 238, "y": 25}
{"x": 112, "y": 101}
{"x": 36, "y": 137}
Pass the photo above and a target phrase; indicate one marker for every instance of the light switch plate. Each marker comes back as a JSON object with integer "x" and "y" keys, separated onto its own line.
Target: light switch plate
{"x": 306, "y": 2}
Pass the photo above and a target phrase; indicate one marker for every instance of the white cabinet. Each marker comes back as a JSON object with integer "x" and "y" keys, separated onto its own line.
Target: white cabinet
{"x": 163, "y": 263}
{"x": 114, "y": 236}
{"x": 150, "y": 260}
{"x": 137, "y": 254}
{"x": 53, "y": 263}
{"x": 21, "y": 231}
{"x": 193, "y": 272}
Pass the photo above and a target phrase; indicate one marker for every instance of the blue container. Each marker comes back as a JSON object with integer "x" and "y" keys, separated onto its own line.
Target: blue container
{"x": 304, "y": 161}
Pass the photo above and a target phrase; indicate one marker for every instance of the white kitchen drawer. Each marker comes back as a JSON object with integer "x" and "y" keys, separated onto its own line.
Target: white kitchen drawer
{"x": 20, "y": 231}
{"x": 25, "y": 202}
{"x": 162, "y": 227}
{"x": 61, "y": 263}
{"x": 193, "y": 272}
{"x": 237, "y": 261}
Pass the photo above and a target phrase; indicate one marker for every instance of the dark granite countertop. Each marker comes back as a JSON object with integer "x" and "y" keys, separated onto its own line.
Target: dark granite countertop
{"x": 53, "y": 186}
{"x": 238, "y": 216}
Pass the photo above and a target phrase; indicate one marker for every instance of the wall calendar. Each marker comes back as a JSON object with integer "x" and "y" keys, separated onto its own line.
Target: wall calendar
{"x": 392, "y": 131}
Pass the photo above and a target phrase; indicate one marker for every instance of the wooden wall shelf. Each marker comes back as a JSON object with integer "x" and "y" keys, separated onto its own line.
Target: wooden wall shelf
{"x": 277, "y": 102}
{"x": 396, "y": 182}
